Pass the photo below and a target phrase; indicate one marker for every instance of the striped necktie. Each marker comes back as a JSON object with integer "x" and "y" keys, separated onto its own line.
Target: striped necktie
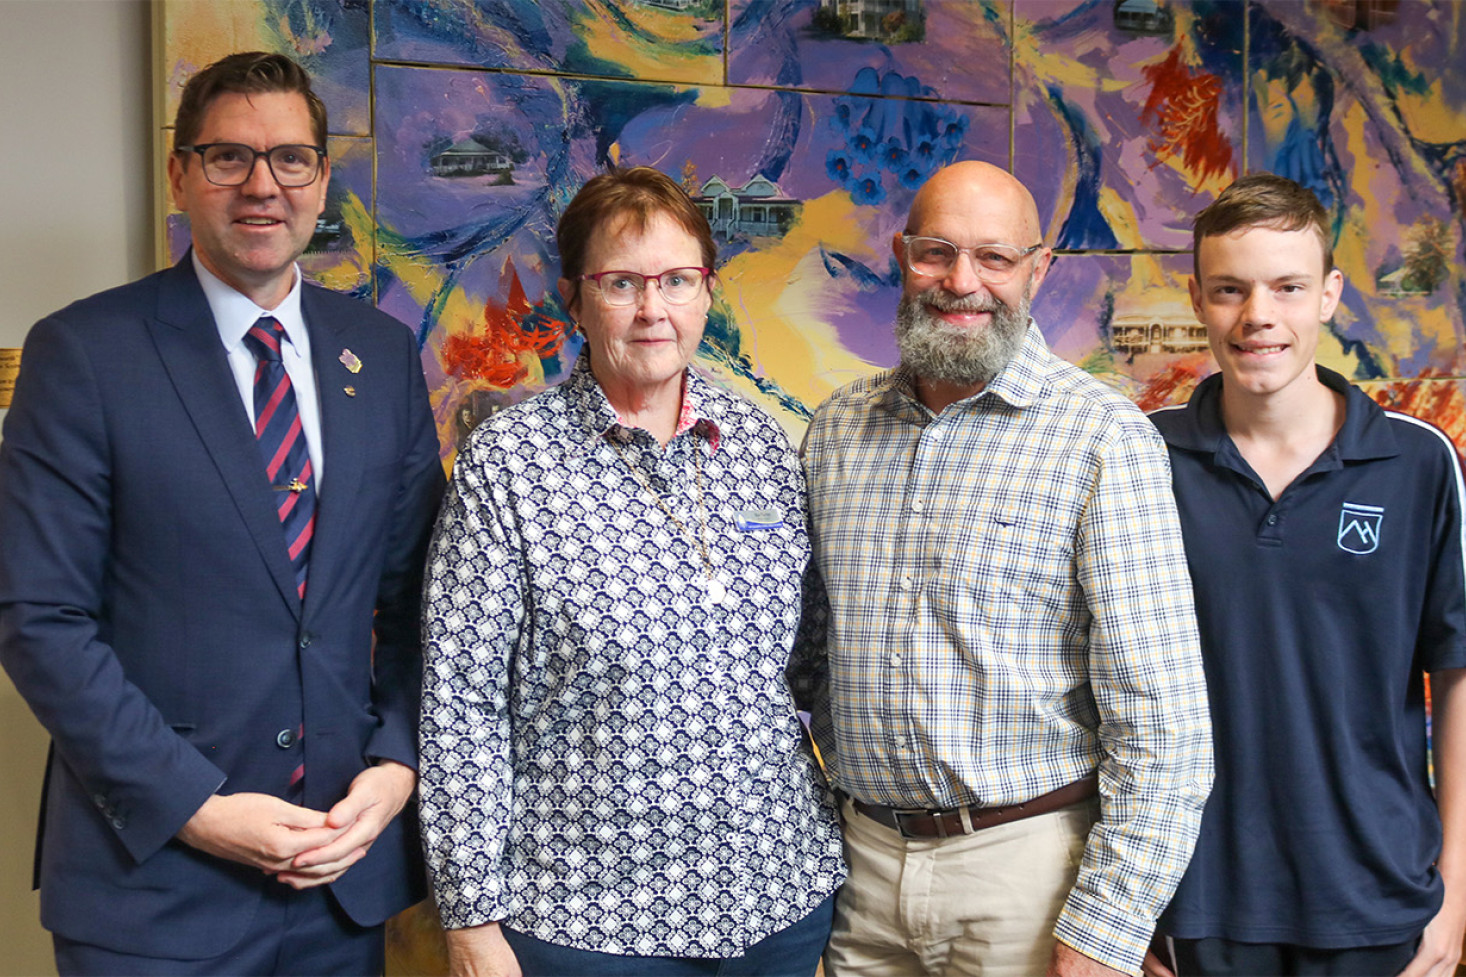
{"x": 282, "y": 444}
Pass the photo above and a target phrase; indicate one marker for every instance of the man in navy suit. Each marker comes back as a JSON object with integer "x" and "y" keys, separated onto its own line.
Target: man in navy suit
{"x": 233, "y": 733}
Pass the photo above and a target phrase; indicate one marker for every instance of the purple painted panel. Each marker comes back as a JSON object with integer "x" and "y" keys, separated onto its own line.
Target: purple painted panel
{"x": 956, "y": 51}
{"x": 1124, "y": 127}
{"x": 663, "y": 40}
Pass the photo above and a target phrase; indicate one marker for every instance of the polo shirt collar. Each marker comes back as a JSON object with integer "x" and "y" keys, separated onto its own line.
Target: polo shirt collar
{"x": 1365, "y": 436}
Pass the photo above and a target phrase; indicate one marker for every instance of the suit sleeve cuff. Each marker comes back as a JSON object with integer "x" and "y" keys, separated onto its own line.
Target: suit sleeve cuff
{"x": 147, "y": 822}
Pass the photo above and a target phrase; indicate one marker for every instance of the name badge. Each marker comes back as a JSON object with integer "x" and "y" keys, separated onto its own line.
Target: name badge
{"x": 750, "y": 520}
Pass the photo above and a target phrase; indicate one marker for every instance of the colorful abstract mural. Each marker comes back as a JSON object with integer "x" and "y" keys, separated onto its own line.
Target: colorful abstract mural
{"x": 461, "y": 128}
{"x": 803, "y": 127}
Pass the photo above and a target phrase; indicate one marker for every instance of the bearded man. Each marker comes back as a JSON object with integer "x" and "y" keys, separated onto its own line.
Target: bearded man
{"x": 1008, "y": 689}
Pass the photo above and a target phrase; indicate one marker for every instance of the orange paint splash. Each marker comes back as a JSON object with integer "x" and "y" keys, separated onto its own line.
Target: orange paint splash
{"x": 1432, "y": 397}
{"x": 1184, "y": 107}
{"x": 495, "y": 354}
{"x": 1174, "y": 383}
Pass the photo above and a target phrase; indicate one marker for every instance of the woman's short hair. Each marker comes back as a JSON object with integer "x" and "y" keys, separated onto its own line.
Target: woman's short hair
{"x": 1265, "y": 200}
{"x": 633, "y": 196}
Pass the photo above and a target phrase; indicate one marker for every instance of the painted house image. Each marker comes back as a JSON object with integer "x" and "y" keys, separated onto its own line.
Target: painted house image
{"x": 1151, "y": 332}
{"x": 1399, "y": 282}
{"x": 873, "y": 18}
{"x": 756, "y": 209}
{"x": 1143, "y": 17}
{"x": 670, "y": 4}
{"x": 471, "y": 158}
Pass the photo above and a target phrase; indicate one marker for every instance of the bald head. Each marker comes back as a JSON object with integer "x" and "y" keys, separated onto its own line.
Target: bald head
{"x": 990, "y": 202}
{"x": 969, "y": 204}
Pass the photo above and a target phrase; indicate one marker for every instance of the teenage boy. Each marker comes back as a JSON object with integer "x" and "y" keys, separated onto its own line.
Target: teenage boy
{"x": 1324, "y": 537}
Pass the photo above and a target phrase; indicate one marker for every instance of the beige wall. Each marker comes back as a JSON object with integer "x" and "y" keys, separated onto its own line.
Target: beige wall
{"x": 75, "y": 217}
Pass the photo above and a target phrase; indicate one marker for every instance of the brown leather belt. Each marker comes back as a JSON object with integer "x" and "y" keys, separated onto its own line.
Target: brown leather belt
{"x": 921, "y": 823}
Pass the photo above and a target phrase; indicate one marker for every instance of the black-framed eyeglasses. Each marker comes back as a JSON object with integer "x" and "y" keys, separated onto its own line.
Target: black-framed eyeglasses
{"x": 935, "y": 257}
{"x": 230, "y": 164}
{"x": 677, "y": 285}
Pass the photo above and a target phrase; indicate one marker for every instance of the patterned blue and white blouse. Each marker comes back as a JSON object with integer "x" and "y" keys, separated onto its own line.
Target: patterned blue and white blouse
{"x": 611, "y": 759}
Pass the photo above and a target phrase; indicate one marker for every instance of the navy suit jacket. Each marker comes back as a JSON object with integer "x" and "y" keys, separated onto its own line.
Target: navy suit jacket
{"x": 149, "y": 617}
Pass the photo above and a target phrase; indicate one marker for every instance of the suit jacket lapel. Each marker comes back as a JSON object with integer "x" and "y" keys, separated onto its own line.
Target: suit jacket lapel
{"x": 341, "y": 437}
{"x": 188, "y": 344}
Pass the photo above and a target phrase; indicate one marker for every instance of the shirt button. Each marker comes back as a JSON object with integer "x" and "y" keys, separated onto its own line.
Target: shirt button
{"x": 285, "y": 739}
{"x": 905, "y": 583}
{"x": 916, "y": 505}
{"x": 895, "y": 659}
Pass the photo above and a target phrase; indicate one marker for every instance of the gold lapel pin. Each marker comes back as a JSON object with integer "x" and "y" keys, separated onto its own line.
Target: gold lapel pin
{"x": 350, "y": 391}
{"x": 350, "y": 360}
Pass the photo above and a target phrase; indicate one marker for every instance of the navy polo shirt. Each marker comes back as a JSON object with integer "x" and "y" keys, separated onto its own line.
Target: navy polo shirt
{"x": 1319, "y": 614}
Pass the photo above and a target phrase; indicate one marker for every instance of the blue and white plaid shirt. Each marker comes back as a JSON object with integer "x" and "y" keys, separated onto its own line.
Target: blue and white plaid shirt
{"x": 1010, "y": 609}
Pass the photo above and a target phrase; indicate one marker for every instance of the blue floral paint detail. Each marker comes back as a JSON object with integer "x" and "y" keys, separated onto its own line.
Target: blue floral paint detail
{"x": 884, "y": 140}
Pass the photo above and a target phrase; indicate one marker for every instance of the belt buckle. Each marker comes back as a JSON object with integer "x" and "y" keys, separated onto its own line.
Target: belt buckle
{"x": 901, "y": 814}
{"x": 935, "y": 814}
{"x": 938, "y": 818}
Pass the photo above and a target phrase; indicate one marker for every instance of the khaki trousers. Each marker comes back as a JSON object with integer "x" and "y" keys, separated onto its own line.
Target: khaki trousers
{"x": 982, "y": 904}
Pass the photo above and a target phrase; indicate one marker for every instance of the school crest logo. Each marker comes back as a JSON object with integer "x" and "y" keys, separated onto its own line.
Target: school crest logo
{"x": 1359, "y": 527}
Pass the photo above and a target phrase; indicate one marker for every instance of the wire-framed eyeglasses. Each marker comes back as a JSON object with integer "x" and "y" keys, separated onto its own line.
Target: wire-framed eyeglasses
{"x": 935, "y": 258}
{"x": 230, "y": 164}
{"x": 677, "y": 285}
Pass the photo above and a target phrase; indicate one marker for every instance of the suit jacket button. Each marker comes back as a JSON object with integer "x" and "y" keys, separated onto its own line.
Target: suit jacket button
{"x": 305, "y": 641}
{"x": 119, "y": 823}
{"x": 285, "y": 739}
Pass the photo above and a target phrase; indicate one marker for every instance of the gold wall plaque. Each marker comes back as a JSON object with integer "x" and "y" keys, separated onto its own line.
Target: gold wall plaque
{"x": 9, "y": 370}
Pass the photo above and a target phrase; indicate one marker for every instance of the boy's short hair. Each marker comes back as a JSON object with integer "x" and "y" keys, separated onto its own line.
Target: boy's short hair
{"x": 1264, "y": 200}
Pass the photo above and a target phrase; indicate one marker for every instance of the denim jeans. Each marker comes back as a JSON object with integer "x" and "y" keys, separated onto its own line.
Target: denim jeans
{"x": 792, "y": 952}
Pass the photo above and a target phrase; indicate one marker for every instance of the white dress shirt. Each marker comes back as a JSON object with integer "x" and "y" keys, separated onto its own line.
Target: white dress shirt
{"x": 234, "y": 314}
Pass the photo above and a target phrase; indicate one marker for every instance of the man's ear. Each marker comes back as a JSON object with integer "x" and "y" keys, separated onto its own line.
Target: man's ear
{"x": 1040, "y": 270}
{"x": 175, "y": 180}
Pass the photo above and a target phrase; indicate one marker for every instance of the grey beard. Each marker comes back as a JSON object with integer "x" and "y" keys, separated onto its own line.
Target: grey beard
{"x": 969, "y": 357}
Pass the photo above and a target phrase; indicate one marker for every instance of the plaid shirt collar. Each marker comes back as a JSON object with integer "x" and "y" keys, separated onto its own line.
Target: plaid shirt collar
{"x": 595, "y": 418}
{"x": 1022, "y": 383}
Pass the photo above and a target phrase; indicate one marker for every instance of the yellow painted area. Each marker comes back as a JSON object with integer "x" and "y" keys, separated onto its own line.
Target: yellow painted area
{"x": 661, "y": 44}
{"x": 1121, "y": 218}
{"x": 1426, "y": 321}
{"x": 1051, "y": 67}
{"x": 345, "y": 271}
{"x": 1430, "y": 117}
{"x": 789, "y": 298}
{"x": 418, "y": 275}
{"x": 714, "y": 97}
{"x": 198, "y": 34}
{"x": 1277, "y": 107}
